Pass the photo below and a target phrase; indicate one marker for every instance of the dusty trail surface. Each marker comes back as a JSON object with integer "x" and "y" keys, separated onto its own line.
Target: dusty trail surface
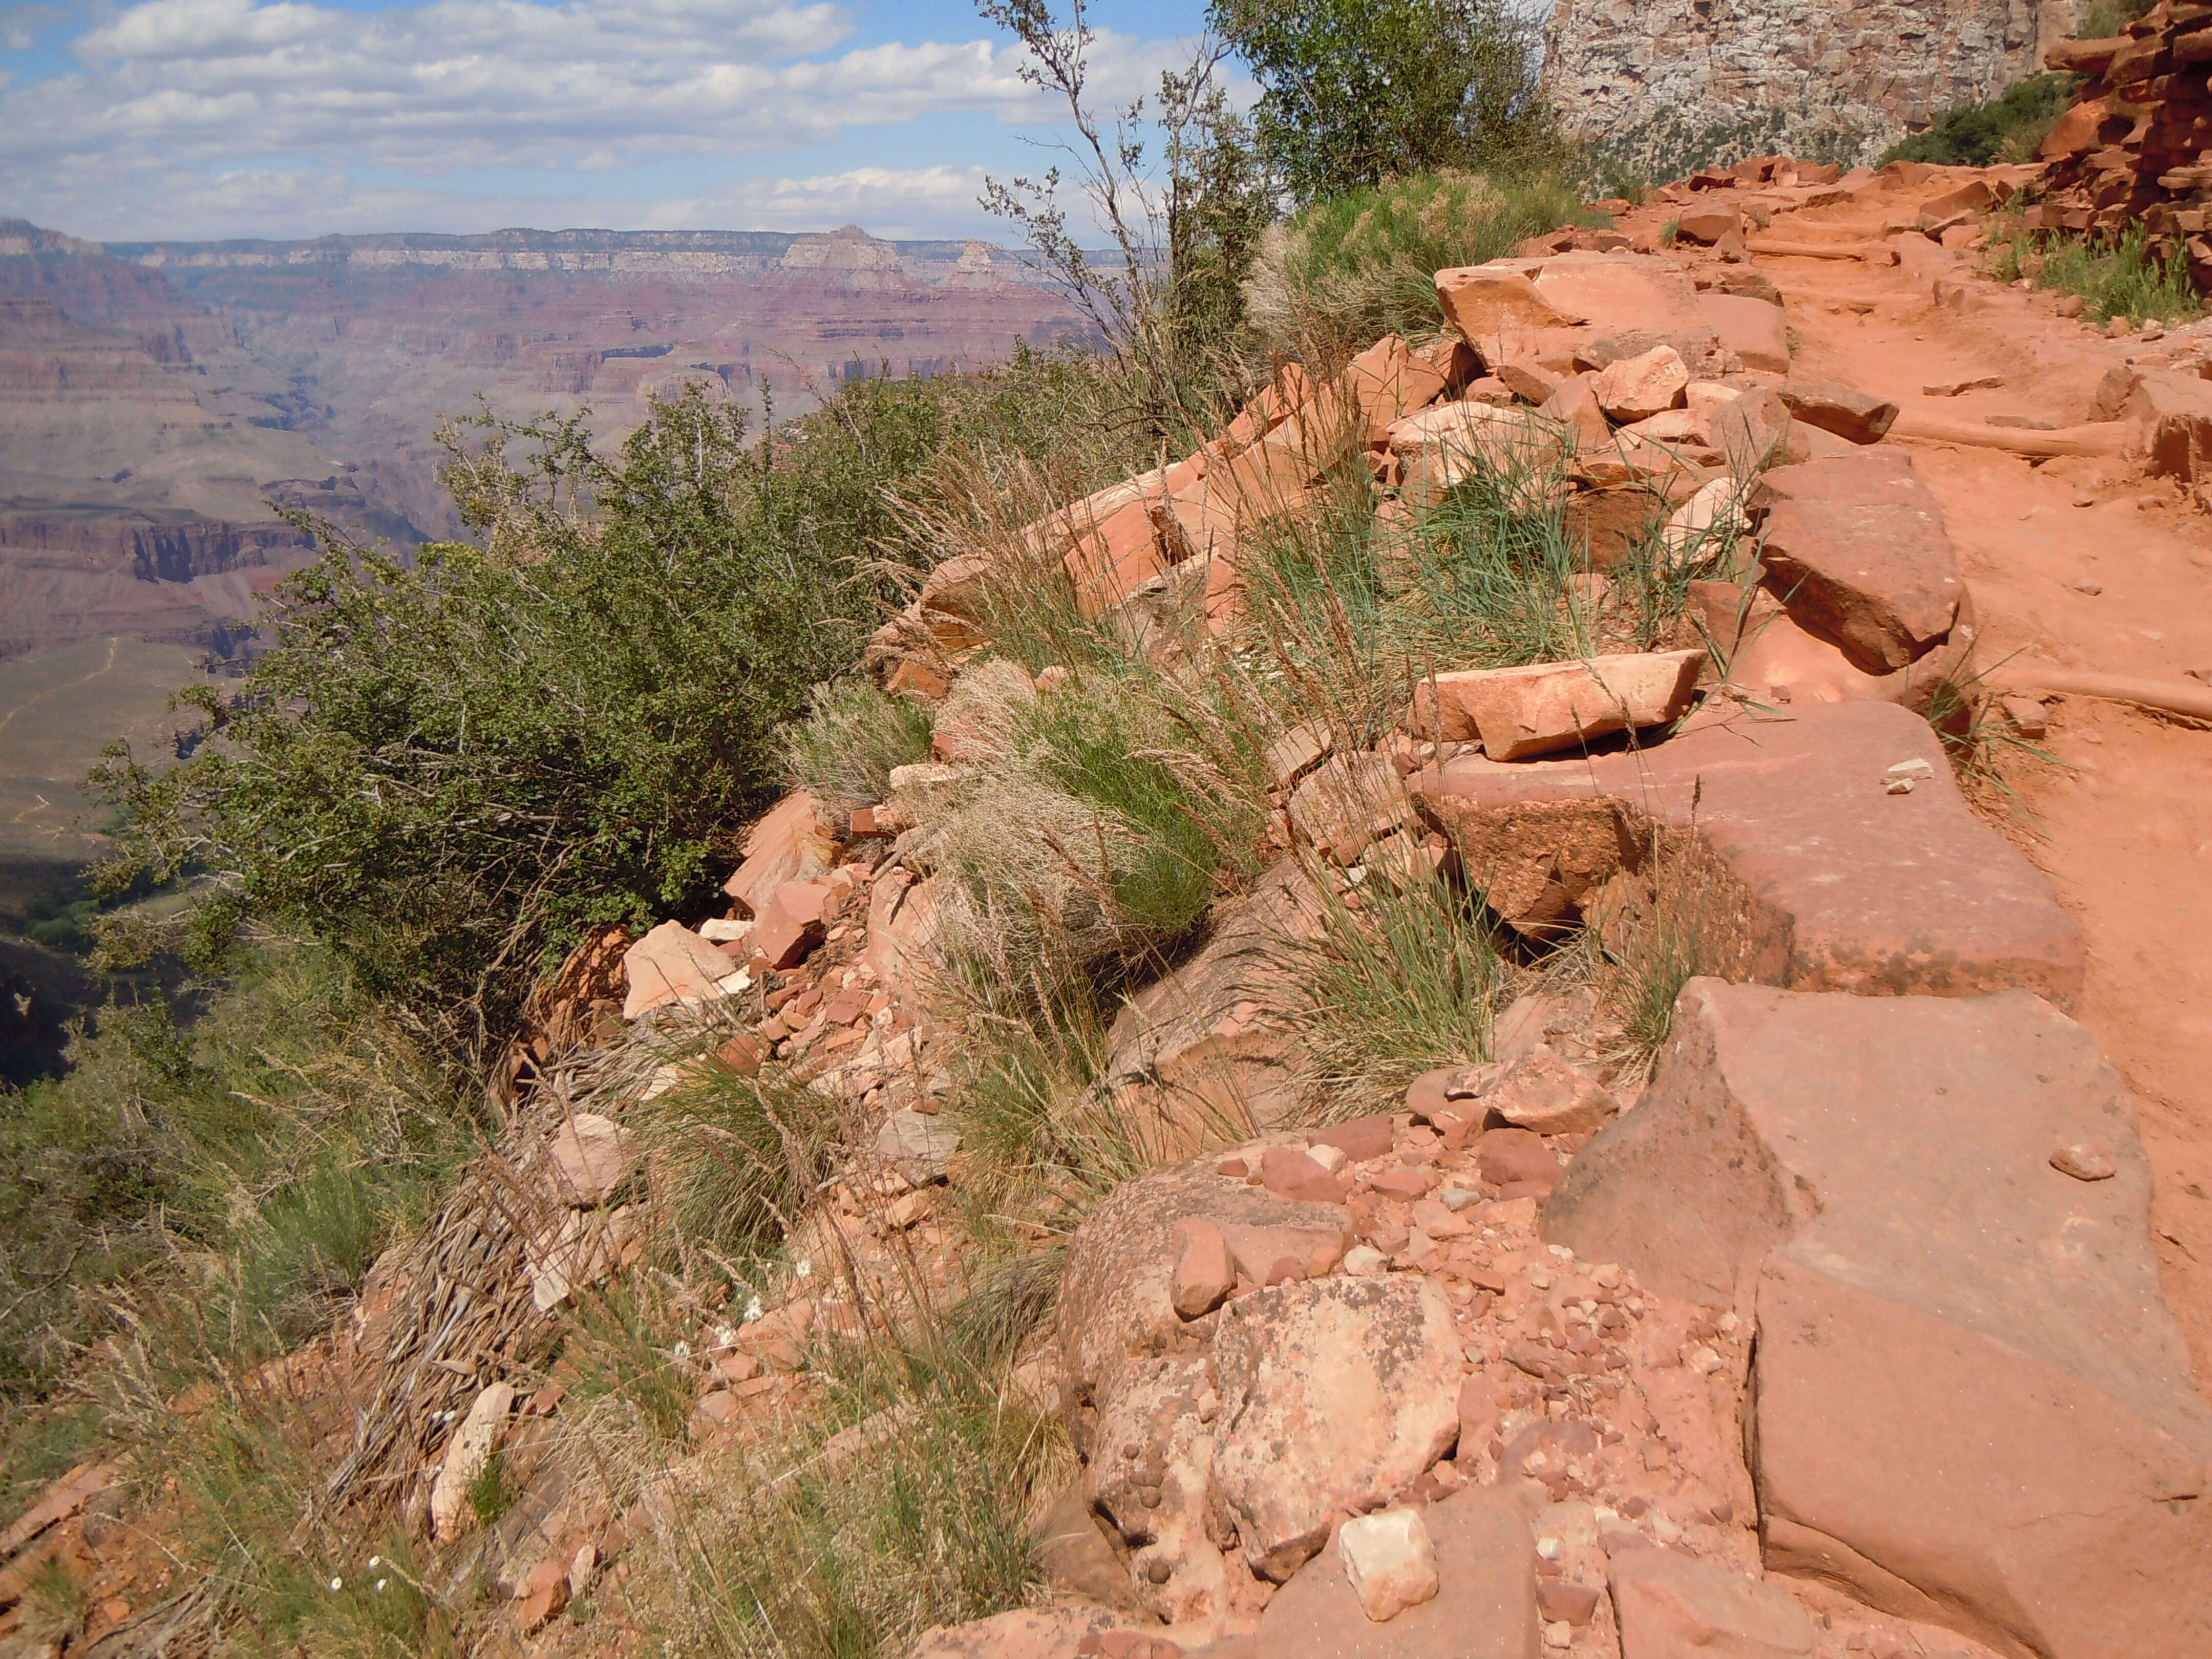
{"x": 2126, "y": 821}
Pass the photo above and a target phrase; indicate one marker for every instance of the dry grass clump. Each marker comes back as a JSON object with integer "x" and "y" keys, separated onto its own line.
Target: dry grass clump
{"x": 851, "y": 737}
{"x": 1402, "y": 976}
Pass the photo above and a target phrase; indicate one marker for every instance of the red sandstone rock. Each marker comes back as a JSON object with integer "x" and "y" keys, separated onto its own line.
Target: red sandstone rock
{"x": 1856, "y": 548}
{"x": 1483, "y": 302}
{"x": 672, "y": 963}
{"x": 1670, "y": 1605}
{"x": 1636, "y": 387}
{"x": 1521, "y": 711}
{"x": 1514, "y": 1157}
{"x": 1844, "y": 886}
{"x": 1204, "y": 1272}
{"x": 1336, "y": 1394}
{"x": 1485, "y": 1607}
{"x": 1362, "y": 1138}
{"x": 793, "y": 843}
{"x": 1859, "y": 416}
{"x": 791, "y": 924}
{"x": 1970, "y": 1403}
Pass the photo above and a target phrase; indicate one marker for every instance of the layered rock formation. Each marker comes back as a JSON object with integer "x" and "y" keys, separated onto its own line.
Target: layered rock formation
{"x": 1671, "y": 84}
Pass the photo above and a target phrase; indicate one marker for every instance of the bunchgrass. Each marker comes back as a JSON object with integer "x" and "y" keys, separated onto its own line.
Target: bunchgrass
{"x": 1397, "y": 982}
{"x": 2116, "y": 275}
{"x": 852, "y": 736}
{"x": 1361, "y": 264}
{"x": 899, "y": 1504}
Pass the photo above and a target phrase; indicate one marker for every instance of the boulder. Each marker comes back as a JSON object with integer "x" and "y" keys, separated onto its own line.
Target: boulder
{"x": 1636, "y": 387}
{"x": 1383, "y": 385}
{"x": 1706, "y": 226}
{"x": 1117, "y": 1297}
{"x": 672, "y": 963}
{"x": 1520, "y": 712}
{"x": 1573, "y": 407}
{"x": 1620, "y": 292}
{"x": 1839, "y": 886}
{"x": 792, "y": 842}
{"x": 1485, "y": 301}
{"x": 1859, "y": 416}
{"x": 1074, "y": 1553}
{"x": 1485, "y": 1607}
{"x": 1968, "y": 1401}
{"x": 1336, "y": 1395}
{"x": 1748, "y": 328}
{"x": 1669, "y": 1605}
{"x": 1856, "y": 548}
{"x": 1541, "y": 1093}
{"x": 1150, "y": 1475}
{"x": 1774, "y": 660}
{"x": 592, "y": 1158}
{"x": 1389, "y": 1561}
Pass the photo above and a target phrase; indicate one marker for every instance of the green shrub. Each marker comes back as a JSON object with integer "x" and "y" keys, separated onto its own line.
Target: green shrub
{"x": 1354, "y": 92}
{"x": 449, "y": 767}
{"x": 2008, "y": 127}
{"x": 1358, "y": 265}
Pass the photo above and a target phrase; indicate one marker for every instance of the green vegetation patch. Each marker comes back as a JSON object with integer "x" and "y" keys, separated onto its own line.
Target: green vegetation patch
{"x": 2008, "y": 127}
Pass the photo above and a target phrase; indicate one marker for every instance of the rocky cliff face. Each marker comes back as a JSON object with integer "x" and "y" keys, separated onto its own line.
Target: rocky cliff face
{"x": 1666, "y": 85}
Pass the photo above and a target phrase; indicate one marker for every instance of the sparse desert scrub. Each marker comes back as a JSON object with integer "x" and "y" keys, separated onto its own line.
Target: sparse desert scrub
{"x": 2115, "y": 277}
{"x": 1338, "y": 274}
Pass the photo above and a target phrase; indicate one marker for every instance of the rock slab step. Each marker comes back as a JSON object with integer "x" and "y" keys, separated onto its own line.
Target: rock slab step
{"x": 1969, "y": 1403}
{"x": 1850, "y": 888}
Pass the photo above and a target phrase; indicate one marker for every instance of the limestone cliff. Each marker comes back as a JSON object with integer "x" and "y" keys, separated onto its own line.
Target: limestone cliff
{"x": 1666, "y": 85}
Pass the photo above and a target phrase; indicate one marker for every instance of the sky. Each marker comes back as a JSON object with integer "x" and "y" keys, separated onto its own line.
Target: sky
{"x": 211, "y": 118}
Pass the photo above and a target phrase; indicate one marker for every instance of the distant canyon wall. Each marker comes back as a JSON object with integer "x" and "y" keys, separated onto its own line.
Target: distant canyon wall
{"x": 1663, "y": 85}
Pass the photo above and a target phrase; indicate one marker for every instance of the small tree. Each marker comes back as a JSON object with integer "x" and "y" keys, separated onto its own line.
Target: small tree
{"x": 1169, "y": 295}
{"x": 1354, "y": 92}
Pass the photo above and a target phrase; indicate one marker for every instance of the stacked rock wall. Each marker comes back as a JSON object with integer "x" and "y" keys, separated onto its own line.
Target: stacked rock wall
{"x": 1669, "y": 85}
{"x": 2136, "y": 147}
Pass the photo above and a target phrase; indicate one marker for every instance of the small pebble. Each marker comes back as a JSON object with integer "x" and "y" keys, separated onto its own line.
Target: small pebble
{"x": 2090, "y": 586}
{"x": 1896, "y": 786}
{"x": 2084, "y": 1163}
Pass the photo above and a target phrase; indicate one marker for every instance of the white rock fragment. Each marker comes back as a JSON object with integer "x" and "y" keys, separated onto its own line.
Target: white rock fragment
{"x": 466, "y": 1454}
{"x": 1390, "y": 1561}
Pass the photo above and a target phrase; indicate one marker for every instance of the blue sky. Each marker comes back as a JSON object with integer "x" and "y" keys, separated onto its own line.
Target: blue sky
{"x": 207, "y": 119}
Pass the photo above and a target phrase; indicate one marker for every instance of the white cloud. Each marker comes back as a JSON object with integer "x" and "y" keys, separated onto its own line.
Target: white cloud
{"x": 171, "y": 107}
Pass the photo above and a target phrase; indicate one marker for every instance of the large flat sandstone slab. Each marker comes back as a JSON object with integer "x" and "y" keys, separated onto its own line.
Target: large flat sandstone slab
{"x": 1850, "y": 888}
{"x": 1968, "y": 1401}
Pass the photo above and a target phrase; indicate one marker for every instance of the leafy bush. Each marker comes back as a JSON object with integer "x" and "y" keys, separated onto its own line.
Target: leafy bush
{"x": 450, "y": 768}
{"x": 1354, "y": 92}
{"x": 1363, "y": 264}
{"x": 2008, "y": 127}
